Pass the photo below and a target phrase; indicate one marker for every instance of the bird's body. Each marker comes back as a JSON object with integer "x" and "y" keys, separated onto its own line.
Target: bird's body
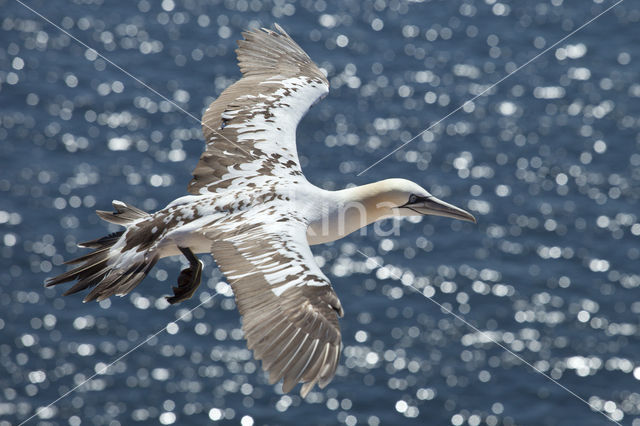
{"x": 255, "y": 212}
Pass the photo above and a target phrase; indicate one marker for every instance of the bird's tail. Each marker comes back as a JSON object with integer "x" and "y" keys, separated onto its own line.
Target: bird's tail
{"x": 112, "y": 267}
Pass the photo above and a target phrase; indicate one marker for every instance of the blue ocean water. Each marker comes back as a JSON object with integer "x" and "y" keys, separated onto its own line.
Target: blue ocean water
{"x": 548, "y": 160}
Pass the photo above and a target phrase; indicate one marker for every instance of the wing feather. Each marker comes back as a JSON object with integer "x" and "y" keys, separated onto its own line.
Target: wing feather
{"x": 290, "y": 321}
{"x": 250, "y": 130}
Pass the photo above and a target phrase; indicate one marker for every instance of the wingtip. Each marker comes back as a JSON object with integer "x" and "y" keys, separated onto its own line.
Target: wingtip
{"x": 306, "y": 388}
{"x": 280, "y": 29}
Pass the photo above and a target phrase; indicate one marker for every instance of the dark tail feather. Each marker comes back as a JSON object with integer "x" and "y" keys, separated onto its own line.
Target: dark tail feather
{"x": 119, "y": 282}
{"x": 123, "y": 215}
{"x": 97, "y": 271}
{"x": 94, "y": 262}
{"x": 109, "y": 240}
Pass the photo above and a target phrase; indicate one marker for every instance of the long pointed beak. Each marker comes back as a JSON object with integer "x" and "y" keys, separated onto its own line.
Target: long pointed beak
{"x": 435, "y": 207}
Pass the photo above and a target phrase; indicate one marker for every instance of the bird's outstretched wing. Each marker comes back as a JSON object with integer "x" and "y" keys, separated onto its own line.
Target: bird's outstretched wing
{"x": 289, "y": 309}
{"x": 250, "y": 130}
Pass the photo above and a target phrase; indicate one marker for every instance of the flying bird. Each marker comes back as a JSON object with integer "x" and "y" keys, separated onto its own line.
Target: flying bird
{"x": 252, "y": 208}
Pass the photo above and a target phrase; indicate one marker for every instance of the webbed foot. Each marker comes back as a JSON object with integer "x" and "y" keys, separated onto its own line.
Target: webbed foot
{"x": 188, "y": 280}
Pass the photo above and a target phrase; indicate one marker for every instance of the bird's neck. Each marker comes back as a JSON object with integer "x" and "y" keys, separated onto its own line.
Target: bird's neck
{"x": 349, "y": 210}
{"x": 371, "y": 197}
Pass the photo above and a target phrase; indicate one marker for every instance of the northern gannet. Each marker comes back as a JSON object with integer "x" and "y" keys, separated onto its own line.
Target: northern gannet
{"x": 255, "y": 212}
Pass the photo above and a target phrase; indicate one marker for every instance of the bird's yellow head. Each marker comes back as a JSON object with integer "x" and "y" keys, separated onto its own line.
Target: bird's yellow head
{"x": 405, "y": 198}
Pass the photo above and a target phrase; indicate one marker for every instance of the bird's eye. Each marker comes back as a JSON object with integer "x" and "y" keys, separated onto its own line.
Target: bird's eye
{"x": 413, "y": 198}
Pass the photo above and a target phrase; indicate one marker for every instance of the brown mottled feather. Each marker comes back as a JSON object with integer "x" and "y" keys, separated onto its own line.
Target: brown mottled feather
{"x": 295, "y": 334}
{"x": 262, "y": 55}
{"x": 97, "y": 269}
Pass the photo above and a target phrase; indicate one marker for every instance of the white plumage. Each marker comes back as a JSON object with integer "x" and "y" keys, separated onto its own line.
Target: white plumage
{"x": 255, "y": 212}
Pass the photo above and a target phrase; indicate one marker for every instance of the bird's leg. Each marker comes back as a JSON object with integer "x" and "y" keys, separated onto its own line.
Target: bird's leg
{"x": 189, "y": 278}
